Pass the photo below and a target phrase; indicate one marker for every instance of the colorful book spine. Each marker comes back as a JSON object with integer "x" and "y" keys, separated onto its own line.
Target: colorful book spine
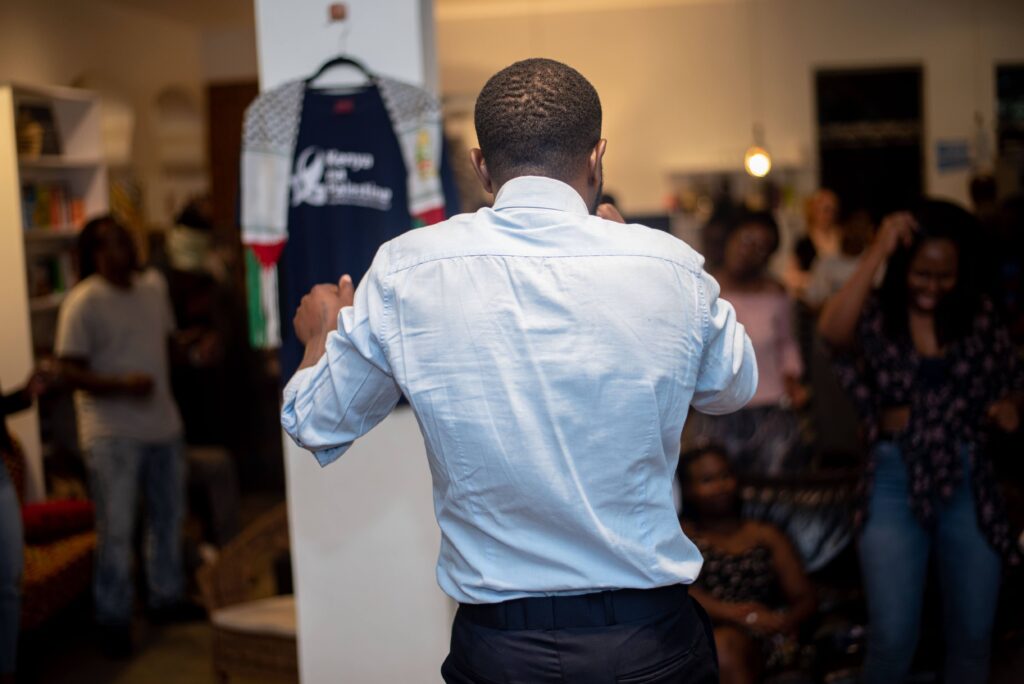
{"x": 50, "y": 205}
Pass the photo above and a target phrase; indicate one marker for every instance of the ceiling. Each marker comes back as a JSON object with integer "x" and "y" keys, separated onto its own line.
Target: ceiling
{"x": 209, "y": 14}
{"x": 453, "y": 9}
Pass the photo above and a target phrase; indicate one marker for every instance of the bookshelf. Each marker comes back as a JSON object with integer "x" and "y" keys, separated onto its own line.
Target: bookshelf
{"x": 58, "y": 162}
{"x": 52, "y": 178}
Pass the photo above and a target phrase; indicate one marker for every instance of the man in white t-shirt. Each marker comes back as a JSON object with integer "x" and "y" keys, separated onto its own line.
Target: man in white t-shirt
{"x": 112, "y": 341}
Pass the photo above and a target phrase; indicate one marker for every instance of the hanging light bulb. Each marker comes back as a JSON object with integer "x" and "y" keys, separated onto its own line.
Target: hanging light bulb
{"x": 757, "y": 161}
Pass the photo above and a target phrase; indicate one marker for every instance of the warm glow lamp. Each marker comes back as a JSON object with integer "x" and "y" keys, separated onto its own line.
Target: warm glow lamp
{"x": 757, "y": 161}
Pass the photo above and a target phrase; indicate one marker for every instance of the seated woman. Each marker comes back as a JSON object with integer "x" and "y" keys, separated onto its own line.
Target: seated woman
{"x": 752, "y": 585}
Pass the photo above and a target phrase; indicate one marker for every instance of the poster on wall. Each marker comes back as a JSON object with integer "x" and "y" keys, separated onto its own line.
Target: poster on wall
{"x": 952, "y": 155}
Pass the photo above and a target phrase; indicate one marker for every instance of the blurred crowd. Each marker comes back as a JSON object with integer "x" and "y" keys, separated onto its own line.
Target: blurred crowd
{"x": 877, "y": 457}
{"x": 877, "y": 449}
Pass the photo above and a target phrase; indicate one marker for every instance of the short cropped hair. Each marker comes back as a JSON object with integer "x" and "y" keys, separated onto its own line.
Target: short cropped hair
{"x": 89, "y": 244}
{"x": 757, "y": 218}
{"x": 537, "y": 116}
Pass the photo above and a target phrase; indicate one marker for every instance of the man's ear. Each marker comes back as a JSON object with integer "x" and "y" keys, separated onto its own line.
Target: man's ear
{"x": 476, "y": 157}
{"x": 594, "y": 169}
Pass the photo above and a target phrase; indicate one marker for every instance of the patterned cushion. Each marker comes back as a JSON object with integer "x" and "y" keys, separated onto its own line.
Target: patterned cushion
{"x": 273, "y": 616}
{"x": 55, "y": 574}
{"x": 52, "y": 520}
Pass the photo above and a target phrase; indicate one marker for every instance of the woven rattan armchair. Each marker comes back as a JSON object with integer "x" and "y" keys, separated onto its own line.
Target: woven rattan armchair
{"x": 253, "y": 630}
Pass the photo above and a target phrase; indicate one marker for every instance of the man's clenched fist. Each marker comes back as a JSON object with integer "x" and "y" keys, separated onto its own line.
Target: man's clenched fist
{"x": 318, "y": 311}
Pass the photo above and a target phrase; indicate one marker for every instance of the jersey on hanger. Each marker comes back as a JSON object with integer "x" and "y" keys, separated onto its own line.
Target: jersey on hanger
{"x": 363, "y": 166}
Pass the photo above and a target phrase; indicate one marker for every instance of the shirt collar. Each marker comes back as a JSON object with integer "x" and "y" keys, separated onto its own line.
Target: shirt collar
{"x": 539, "y": 192}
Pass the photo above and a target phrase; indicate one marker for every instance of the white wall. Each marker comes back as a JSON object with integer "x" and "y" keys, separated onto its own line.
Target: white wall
{"x": 15, "y": 337}
{"x": 364, "y": 550}
{"x": 229, "y": 54}
{"x": 55, "y": 42}
{"x": 294, "y": 38}
{"x": 675, "y": 76}
{"x": 364, "y": 540}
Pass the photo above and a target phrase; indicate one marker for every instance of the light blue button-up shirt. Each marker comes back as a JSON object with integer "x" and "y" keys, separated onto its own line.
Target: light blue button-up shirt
{"x": 550, "y": 357}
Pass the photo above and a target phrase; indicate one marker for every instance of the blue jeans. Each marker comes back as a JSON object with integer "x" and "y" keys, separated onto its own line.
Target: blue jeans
{"x": 12, "y": 557}
{"x": 894, "y": 550}
{"x": 118, "y": 467}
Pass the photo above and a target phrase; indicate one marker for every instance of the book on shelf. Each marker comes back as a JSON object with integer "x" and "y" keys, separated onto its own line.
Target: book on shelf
{"x": 50, "y": 274}
{"x": 50, "y": 205}
{"x": 35, "y": 130}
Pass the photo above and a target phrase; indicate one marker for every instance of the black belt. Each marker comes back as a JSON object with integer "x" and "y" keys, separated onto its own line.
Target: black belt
{"x": 600, "y": 609}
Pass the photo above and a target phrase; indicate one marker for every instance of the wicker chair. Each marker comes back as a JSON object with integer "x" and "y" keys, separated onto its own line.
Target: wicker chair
{"x": 253, "y": 630}
{"x": 816, "y": 511}
{"x": 59, "y": 544}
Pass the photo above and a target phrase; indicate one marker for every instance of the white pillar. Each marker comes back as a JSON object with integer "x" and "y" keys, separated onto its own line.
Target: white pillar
{"x": 16, "y": 357}
{"x": 364, "y": 539}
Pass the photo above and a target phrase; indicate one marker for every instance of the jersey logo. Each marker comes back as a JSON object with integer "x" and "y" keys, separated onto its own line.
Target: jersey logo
{"x": 321, "y": 178}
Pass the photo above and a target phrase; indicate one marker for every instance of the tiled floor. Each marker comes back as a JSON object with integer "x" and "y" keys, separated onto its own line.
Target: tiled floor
{"x": 177, "y": 654}
{"x": 66, "y": 652}
{"x": 180, "y": 654}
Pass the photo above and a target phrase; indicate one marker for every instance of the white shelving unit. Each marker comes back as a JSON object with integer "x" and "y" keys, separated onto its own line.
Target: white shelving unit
{"x": 29, "y": 309}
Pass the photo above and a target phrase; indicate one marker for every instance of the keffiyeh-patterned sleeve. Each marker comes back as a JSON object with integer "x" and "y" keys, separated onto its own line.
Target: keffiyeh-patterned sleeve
{"x": 269, "y": 132}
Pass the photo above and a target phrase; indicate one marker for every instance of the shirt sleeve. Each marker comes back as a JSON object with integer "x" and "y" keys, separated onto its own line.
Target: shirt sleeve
{"x": 727, "y": 378}
{"x": 14, "y": 402}
{"x": 852, "y": 371}
{"x": 72, "y": 338}
{"x": 791, "y": 361}
{"x": 166, "y": 307}
{"x": 352, "y": 388}
{"x": 1004, "y": 353}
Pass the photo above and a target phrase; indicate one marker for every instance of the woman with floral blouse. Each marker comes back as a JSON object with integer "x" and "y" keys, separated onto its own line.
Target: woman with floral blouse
{"x": 933, "y": 374}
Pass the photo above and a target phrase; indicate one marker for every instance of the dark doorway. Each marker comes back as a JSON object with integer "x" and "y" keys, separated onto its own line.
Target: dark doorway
{"x": 253, "y": 425}
{"x": 870, "y": 133}
{"x": 1010, "y": 127}
{"x": 226, "y": 103}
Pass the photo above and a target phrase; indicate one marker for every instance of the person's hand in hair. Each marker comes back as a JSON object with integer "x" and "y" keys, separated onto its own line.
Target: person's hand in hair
{"x": 897, "y": 229}
{"x": 608, "y": 212}
{"x": 318, "y": 311}
{"x": 837, "y": 324}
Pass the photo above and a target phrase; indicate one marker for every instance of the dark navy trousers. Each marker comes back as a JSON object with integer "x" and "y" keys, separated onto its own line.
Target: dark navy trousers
{"x": 659, "y": 636}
